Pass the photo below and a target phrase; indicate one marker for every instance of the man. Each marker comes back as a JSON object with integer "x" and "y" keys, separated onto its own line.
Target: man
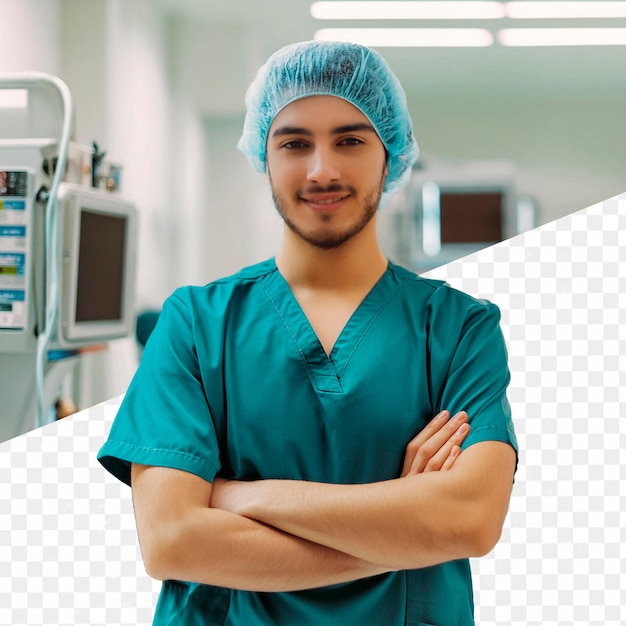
{"x": 279, "y": 434}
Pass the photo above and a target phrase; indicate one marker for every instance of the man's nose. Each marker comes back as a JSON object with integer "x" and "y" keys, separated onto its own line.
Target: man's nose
{"x": 323, "y": 167}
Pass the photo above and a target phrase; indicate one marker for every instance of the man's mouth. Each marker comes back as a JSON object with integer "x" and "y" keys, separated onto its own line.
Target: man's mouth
{"x": 324, "y": 200}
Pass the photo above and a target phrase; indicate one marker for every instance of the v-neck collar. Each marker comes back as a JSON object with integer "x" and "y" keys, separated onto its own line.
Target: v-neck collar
{"x": 327, "y": 370}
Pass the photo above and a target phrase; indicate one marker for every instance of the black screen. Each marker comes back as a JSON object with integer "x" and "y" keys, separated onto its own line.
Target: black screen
{"x": 471, "y": 217}
{"x": 100, "y": 287}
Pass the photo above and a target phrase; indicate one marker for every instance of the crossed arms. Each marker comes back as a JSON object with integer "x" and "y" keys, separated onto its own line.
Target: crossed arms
{"x": 281, "y": 535}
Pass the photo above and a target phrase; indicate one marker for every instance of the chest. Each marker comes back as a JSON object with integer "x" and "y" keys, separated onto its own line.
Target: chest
{"x": 296, "y": 409}
{"x": 328, "y": 314}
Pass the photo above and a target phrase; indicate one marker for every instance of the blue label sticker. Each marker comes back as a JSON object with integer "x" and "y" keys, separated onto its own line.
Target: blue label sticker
{"x": 13, "y": 205}
{"x": 11, "y": 258}
{"x": 13, "y": 231}
{"x": 12, "y": 295}
{"x": 14, "y": 264}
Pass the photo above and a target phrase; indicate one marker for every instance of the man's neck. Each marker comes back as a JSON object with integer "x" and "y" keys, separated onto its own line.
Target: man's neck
{"x": 355, "y": 265}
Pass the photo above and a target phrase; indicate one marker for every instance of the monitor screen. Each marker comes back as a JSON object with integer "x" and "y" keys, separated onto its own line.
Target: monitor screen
{"x": 101, "y": 262}
{"x": 471, "y": 217}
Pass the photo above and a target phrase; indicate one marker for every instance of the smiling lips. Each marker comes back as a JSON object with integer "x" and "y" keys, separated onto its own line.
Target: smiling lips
{"x": 326, "y": 201}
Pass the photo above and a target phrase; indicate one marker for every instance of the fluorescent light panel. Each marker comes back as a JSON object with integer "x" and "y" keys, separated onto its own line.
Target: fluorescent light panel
{"x": 406, "y": 10}
{"x": 409, "y": 37}
{"x": 455, "y": 10}
{"x": 467, "y": 37}
{"x": 562, "y": 37}
{"x": 564, "y": 10}
{"x": 474, "y": 37}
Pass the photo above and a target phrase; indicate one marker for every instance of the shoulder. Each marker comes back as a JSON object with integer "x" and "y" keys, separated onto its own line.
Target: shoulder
{"x": 219, "y": 294}
{"x": 200, "y": 311}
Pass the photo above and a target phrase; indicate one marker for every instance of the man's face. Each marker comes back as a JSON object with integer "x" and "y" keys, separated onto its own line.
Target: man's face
{"x": 327, "y": 169}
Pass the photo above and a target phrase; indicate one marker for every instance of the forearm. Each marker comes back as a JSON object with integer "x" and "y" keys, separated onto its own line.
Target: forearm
{"x": 411, "y": 522}
{"x": 377, "y": 522}
{"x": 184, "y": 540}
{"x": 243, "y": 554}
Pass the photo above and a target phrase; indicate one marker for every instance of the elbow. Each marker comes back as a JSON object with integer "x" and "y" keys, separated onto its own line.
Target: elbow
{"x": 155, "y": 564}
{"x": 468, "y": 538}
{"x": 483, "y": 536}
{"x": 484, "y": 543}
{"x": 158, "y": 550}
{"x": 155, "y": 567}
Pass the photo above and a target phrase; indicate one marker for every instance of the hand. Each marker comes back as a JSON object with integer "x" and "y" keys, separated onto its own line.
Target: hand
{"x": 436, "y": 447}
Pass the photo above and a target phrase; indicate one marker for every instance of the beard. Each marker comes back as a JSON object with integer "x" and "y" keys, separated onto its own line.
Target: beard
{"x": 329, "y": 239}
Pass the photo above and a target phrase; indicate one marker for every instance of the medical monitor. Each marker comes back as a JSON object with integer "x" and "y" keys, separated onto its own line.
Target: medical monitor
{"x": 98, "y": 243}
{"x": 455, "y": 219}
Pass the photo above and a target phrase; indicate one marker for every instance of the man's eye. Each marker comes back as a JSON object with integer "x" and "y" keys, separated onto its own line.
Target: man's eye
{"x": 350, "y": 141}
{"x": 294, "y": 144}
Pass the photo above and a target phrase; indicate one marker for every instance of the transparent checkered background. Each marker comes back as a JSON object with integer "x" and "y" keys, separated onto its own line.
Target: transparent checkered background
{"x": 68, "y": 548}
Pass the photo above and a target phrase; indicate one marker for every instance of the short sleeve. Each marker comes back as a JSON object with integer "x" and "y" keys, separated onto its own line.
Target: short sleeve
{"x": 165, "y": 418}
{"x": 472, "y": 374}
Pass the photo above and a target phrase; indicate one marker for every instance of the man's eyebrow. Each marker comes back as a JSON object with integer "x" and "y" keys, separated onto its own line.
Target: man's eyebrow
{"x": 291, "y": 130}
{"x": 351, "y": 128}
{"x": 339, "y": 130}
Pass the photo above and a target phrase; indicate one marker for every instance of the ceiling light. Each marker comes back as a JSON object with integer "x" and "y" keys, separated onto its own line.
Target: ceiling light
{"x": 564, "y": 10}
{"x": 562, "y": 37}
{"x": 407, "y": 10}
{"x": 409, "y": 37}
{"x": 467, "y": 10}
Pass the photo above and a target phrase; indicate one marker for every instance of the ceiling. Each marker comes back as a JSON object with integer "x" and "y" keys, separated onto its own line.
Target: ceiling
{"x": 591, "y": 70}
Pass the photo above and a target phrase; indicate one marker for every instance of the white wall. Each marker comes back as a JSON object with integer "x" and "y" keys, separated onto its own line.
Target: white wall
{"x": 569, "y": 149}
{"x": 82, "y": 48}
{"x": 232, "y": 213}
{"x": 29, "y": 38}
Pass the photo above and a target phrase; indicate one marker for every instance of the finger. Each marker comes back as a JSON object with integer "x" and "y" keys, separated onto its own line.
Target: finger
{"x": 426, "y": 442}
{"x": 452, "y": 457}
{"x": 432, "y": 446}
{"x": 434, "y": 426}
{"x": 428, "y": 431}
{"x": 437, "y": 462}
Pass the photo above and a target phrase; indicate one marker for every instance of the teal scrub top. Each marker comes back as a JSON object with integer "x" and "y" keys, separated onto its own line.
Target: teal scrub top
{"x": 233, "y": 381}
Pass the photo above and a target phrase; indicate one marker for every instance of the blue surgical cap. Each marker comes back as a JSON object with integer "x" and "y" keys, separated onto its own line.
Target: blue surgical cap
{"x": 329, "y": 68}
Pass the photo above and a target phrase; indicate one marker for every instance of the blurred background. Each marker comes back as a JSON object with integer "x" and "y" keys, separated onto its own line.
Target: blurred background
{"x": 160, "y": 85}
